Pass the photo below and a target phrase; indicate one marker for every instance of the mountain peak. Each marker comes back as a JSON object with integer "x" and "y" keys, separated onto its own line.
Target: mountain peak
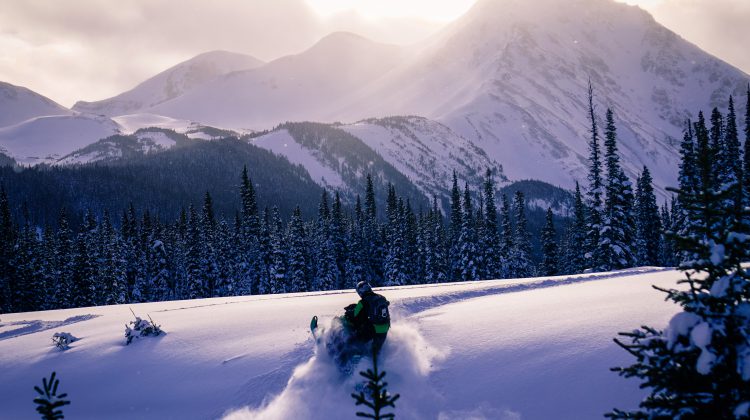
{"x": 18, "y": 104}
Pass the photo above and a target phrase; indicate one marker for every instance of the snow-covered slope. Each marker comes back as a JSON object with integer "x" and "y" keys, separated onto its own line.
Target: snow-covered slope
{"x": 426, "y": 152}
{"x": 46, "y": 139}
{"x": 506, "y": 349}
{"x": 302, "y": 87}
{"x": 18, "y": 104}
{"x": 171, "y": 83}
{"x": 143, "y": 142}
{"x": 512, "y": 76}
{"x": 282, "y": 143}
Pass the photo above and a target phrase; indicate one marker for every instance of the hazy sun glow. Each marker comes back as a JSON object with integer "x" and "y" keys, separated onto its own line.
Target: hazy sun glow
{"x": 433, "y": 10}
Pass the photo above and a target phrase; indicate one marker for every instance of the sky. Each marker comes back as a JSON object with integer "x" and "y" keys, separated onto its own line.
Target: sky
{"x": 90, "y": 50}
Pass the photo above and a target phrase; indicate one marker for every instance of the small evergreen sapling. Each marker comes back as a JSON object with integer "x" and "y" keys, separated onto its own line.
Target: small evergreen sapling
{"x": 376, "y": 397}
{"x": 48, "y": 403}
{"x": 141, "y": 328}
{"x": 63, "y": 340}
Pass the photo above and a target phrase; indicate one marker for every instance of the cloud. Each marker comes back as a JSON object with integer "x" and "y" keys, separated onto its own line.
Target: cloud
{"x": 94, "y": 49}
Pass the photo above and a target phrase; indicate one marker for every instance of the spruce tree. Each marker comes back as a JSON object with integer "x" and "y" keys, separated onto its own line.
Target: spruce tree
{"x": 7, "y": 239}
{"x": 468, "y": 264}
{"x": 648, "y": 224}
{"x": 698, "y": 366}
{"x": 549, "y": 265}
{"x": 491, "y": 239}
{"x": 64, "y": 254}
{"x": 299, "y": 280}
{"x": 278, "y": 269}
{"x": 616, "y": 236}
{"x": 455, "y": 230}
{"x": 520, "y": 255}
{"x": 576, "y": 238}
{"x": 595, "y": 190}
{"x": 507, "y": 239}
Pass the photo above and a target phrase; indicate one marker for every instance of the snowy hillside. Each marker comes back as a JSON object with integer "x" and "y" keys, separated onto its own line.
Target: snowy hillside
{"x": 18, "y": 104}
{"x": 506, "y": 349}
{"x": 420, "y": 150}
{"x": 171, "y": 83}
{"x": 47, "y": 139}
{"x": 426, "y": 152}
{"x": 143, "y": 142}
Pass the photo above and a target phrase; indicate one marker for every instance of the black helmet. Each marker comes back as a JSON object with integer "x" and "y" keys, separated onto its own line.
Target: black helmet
{"x": 363, "y": 287}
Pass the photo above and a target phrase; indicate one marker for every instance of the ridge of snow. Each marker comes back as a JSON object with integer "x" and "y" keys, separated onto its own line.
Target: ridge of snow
{"x": 171, "y": 83}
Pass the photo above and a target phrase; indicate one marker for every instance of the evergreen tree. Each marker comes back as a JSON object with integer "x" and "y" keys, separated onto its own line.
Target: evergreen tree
{"x": 373, "y": 251}
{"x": 506, "y": 245}
{"x": 520, "y": 255}
{"x": 455, "y": 231}
{"x": 576, "y": 237}
{"x": 84, "y": 288}
{"x": 278, "y": 273}
{"x": 615, "y": 237}
{"x": 549, "y": 266}
{"x": 299, "y": 280}
{"x": 195, "y": 265}
{"x": 697, "y": 367}
{"x": 647, "y": 222}
{"x": 468, "y": 264}
{"x": 491, "y": 238}
{"x": 595, "y": 190}
{"x": 63, "y": 263}
{"x": 112, "y": 268}
{"x": 732, "y": 158}
{"x": 7, "y": 239}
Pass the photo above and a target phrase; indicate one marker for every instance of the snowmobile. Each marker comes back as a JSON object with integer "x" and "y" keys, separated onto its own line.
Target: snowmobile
{"x": 340, "y": 343}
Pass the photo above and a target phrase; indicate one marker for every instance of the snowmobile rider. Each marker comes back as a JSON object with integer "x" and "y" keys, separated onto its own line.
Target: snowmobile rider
{"x": 369, "y": 318}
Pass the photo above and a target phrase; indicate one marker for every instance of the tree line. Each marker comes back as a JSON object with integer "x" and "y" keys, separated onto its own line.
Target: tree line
{"x": 138, "y": 257}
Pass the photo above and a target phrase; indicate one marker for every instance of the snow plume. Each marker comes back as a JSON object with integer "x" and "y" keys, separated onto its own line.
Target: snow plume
{"x": 318, "y": 390}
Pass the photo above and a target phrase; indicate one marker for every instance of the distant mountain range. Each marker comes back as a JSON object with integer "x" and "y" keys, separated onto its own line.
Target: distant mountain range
{"x": 502, "y": 87}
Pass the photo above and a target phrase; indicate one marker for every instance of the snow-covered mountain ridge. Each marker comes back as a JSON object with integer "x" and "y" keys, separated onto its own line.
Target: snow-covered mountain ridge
{"x": 252, "y": 357}
{"x": 171, "y": 83}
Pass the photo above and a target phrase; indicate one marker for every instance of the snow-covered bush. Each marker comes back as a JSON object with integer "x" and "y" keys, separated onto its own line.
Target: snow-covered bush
{"x": 141, "y": 328}
{"x": 63, "y": 340}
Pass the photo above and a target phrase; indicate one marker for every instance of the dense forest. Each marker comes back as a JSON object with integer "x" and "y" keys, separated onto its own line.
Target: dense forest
{"x": 120, "y": 252}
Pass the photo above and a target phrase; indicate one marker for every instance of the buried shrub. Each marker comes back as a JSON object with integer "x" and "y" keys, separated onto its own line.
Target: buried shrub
{"x": 141, "y": 328}
{"x": 62, "y": 340}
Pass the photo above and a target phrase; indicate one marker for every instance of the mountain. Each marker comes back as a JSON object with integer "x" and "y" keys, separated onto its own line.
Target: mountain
{"x": 302, "y": 87}
{"x": 509, "y": 77}
{"x": 512, "y": 77}
{"x": 47, "y": 139}
{"x": 501, "y": 349}
{"x": 18, "y": 104}
{"x": 171, "y": 83}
